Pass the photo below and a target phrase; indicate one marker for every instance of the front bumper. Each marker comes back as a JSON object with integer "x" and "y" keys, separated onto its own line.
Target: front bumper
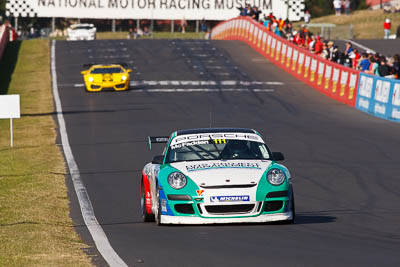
{"x": 167, "y": 219}
{"x": 115, "y": 86}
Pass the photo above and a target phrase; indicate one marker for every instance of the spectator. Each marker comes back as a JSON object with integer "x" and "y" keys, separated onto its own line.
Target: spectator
{"x": 335, "y": 54}
{"x": 183, "y": 25}
{"x": 364, "y": 62}
{"x": 396, "y": 66}
{"x": 347, "y": 7}
{"x": 307, "y": 17}
{"x": 383, "y": 69}
{"x": 203, "y": 25}
{"x": 326, "y": 52}
{"x": 398, "y": 32}
{"x": 355, "y": 56}
{"x": 373, "y": 68}
{"x": 386, "y": 26}
{"x": 311, "y": 44}
{"x": 337, "y": 4}
{"x": 255, "y": 13}
{"x": 319, "y": 45}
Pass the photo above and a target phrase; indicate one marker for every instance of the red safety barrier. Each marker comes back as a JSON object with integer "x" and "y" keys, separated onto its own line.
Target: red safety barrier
{"x": 4, "y": 37}
{"x": 332, "y": 79}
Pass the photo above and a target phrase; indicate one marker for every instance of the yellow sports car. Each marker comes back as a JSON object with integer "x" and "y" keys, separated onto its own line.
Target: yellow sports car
{"x": 102, "y": 77}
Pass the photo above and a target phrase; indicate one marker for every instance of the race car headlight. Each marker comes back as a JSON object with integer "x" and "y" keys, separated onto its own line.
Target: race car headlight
{"x": 90, "y": 79}
{"x": 177, "y": 180}
{"x": 275, "y": 177}
{"x": 124, "y": 78}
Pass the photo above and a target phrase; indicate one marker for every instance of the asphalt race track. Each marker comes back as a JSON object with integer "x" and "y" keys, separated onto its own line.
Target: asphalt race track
{"x": 345, "y": 163}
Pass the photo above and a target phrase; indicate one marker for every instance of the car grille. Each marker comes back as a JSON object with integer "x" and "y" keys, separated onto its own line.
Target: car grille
{"x": 273, "y": 205}
{"x": 229, "y": 209}
{"x": 184, "y": 208}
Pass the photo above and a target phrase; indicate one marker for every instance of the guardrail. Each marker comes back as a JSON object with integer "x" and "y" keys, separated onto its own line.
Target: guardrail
{"x": 375, "y": 95}
{"x": 3, "y": 39}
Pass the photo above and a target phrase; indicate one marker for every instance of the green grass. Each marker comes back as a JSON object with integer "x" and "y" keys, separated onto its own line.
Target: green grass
{"x": 368, "y": 24}
{"x": 35, "y": 227}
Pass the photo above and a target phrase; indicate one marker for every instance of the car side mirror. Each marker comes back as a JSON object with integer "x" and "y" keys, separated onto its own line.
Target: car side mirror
{"x": 158, "y": 159}
{"x": 129, "y": 70}
{"x": 84, "y": 72}
{"x": 278, "y": 156}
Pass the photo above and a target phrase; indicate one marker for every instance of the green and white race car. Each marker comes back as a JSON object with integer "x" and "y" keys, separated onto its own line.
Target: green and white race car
{"x": 216, "y": 175}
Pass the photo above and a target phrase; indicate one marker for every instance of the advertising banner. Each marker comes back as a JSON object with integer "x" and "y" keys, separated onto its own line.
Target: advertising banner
{"x": 379, "y": 96}
{"x": 150, "y": 9}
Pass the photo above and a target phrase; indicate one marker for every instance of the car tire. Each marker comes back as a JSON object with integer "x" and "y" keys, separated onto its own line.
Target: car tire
{"x": 146, "y": 217}
{"x": 293, "y": 209}
{"x": 158, "y": 215}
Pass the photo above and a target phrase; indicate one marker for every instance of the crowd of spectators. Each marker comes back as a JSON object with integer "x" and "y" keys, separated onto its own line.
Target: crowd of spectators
{"x": 372, "y": 63}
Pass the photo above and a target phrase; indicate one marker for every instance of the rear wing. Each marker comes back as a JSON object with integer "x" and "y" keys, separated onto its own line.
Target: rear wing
{"x": 157, "y": 140}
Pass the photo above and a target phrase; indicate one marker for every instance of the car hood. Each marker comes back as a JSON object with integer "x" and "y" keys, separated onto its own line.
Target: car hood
{"x": 224, "y": 173}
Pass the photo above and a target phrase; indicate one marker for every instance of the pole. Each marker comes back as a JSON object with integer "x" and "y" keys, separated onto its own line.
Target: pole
{"x": 16, "y": 23}
{"x": 197, "y": 25}
{"x": 53, "y": 24}
{"x": 172, "y": 25}
{"x": 11, "y": 132}
{"x": 113, "y": 25}
{"x": 287, "y": 9}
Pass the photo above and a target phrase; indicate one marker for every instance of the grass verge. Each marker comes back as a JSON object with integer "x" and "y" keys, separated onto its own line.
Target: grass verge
{"x": 368, "y": 24}
{"x": 35, "y": 227}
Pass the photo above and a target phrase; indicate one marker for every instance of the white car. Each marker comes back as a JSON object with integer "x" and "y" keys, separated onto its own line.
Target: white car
{"x": 216, "y": 175}
{"x": 81, "y": 32}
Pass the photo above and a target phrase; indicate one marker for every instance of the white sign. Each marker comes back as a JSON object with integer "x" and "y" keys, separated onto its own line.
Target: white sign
{"x": 9, "y": 107}
{"x": 150, "y": 9}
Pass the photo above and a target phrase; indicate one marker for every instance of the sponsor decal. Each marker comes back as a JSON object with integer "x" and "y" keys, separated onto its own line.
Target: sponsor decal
{"x": 352, "y": 85}
{"x": 343, "y": 82}
{"x": 211, "y": 136}
{"x": 396, "y": 113}
{"x": 294, "y": 59}
{"x": 307, "y": 66}
{"x": 396, "y": 95}
{"x": 363, "y": 103}
{"x": 273, "y": 47}
{"x": 328, "y": 74}
{"x": 288, "y": 55}
{"x": 365, "y": 88}
{"x": 269, "y": 41}
{"x": 380, "y": 109}
{"x": 382, "y": 91}
{"x": 321, "y": 68}
{"x": 313, "y": 69}
{"x": 200, "y": 192}
{"x": 164, "y": 205}
{"x": 335, "y": 79}
{"x": 229, "y": 198}
{"x": 283, "y": 53}
{"x": 301, "y": 61}
{"x": 264, "y": 40}
{"x": 222, "y": 165}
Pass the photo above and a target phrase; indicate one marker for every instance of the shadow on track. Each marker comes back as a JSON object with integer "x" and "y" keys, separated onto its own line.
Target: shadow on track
{"x": 7, "y": 65}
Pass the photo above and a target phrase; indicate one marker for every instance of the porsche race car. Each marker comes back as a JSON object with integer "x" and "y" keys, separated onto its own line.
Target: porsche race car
{"x": 216, "y": 175}
{"x": 101, "y": 77}
{"x": 81, "y": 31}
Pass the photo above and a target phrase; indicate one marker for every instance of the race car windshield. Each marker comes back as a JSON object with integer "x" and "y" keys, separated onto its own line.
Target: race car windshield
{"x": 82, "y": 28}
{"x": 217, "y": 149}
{"x": 106, "y": 70}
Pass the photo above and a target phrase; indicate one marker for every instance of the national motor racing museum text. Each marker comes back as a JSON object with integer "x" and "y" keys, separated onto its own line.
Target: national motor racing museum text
{"x": 161, "y": 4}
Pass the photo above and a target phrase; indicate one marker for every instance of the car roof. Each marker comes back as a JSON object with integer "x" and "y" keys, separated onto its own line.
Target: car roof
{"x": 215, "y": 130}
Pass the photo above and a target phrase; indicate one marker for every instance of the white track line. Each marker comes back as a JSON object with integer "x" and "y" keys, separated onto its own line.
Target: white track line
{"x": 191, "y": 83}
{"x": 199, "y": 90}
{"x": 98, "y": 235}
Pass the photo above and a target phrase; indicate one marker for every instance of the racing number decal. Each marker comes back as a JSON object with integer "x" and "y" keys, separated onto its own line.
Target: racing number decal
{"x": 220, "y": 141}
